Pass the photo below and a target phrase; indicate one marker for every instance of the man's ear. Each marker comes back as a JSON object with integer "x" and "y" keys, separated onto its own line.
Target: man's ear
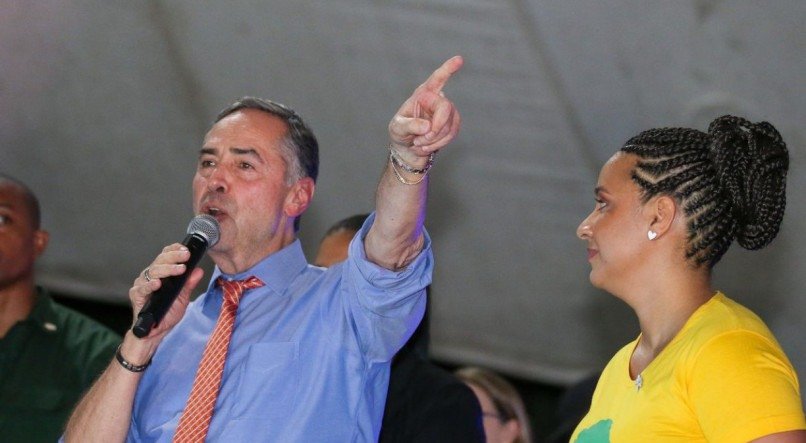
{"x": 299, "y": 197}
{"x": 662, "y": 214}
{"x": 41, "y": 239}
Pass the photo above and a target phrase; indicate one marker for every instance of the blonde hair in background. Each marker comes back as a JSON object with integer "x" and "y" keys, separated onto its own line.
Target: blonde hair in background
{"x": 505, "y": 397}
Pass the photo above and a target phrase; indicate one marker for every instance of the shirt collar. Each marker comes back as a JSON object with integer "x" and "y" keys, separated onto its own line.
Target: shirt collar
{"x": 43, "y": 313}
{"x": 277, "y": 270}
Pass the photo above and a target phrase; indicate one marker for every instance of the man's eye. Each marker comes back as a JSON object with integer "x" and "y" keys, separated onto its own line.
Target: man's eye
{"x": 600, "y": 204}
{"x": 245, "y": 165}
{"x": 3, "y": 219}
{"x": 206, "y": 163}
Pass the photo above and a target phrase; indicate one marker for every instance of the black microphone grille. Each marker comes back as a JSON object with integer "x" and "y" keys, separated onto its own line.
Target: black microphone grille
{"x": 207, "y": 226}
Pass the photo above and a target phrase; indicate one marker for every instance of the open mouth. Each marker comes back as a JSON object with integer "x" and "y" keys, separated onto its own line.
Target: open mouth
{"x": 214, "y": 211}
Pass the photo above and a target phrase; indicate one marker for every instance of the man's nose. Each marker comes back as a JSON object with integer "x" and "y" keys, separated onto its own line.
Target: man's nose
{"x": 218, "y": 180}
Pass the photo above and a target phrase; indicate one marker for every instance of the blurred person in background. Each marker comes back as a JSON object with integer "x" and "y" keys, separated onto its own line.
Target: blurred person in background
{"x": 505, "y": 417}
{"x": 335, "y": 243}
{"x": 49, "y": 354}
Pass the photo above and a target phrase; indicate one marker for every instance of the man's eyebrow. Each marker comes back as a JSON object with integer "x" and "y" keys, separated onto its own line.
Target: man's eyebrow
{"x": 252, "y": 152}
{"x": 598, "y": 190}
{"x": 245, "y": 151}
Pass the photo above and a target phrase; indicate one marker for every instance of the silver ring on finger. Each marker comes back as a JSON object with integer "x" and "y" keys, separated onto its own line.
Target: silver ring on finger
{"x": 147, "y": 275}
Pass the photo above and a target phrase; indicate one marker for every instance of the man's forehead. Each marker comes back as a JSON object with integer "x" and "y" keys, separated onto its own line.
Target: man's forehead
{"x": 10, "y": 193}
{"x": 251, "y": 118}
{"x": 12, "y": 198}
{"x": 246, "y": 128}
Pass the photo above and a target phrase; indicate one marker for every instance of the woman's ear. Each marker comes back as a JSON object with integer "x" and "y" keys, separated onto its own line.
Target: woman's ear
{"x": 511, "y": 430}
{"x": 662, "y": 214}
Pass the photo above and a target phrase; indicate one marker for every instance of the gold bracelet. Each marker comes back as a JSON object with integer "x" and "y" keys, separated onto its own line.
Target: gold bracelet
{"x": 400, "y": 177}
{"x": 395, "y": 158}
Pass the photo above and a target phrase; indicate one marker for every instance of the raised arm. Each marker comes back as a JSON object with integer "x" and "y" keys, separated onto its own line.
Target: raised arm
{"x": 104, "y": 414}
{"x": 425, "y": 123}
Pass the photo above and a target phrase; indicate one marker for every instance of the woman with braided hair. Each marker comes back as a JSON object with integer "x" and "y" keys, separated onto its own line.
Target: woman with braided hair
{"x": 704, "y": 368}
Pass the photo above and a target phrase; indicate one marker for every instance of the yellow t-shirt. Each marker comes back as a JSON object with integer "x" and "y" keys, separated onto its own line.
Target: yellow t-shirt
{"x": 723, "y": 378}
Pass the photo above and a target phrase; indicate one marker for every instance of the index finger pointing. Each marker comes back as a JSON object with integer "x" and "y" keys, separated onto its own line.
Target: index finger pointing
{"x": 439, "y": 77}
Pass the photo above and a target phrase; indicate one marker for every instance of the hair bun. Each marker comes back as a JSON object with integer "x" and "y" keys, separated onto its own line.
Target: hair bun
{"x": 751, "y": 162}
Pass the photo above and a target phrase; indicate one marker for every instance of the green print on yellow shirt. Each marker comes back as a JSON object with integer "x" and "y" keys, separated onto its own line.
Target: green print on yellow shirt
{"x": 598, "y": 433}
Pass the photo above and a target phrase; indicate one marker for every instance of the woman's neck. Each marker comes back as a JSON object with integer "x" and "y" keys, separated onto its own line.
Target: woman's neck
{"x": 663, "y": 308}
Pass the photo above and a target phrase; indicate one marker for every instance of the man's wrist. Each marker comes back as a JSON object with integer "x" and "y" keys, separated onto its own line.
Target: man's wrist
{"x": 411, "y": 167}
{"x": 128, "y": 365}
{"x": 405, "y": 155}
{"x": 137, "y": 351}
{"x": 400, "y": 169}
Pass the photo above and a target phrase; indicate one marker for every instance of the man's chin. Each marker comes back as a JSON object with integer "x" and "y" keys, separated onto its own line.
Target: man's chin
{"x": 219, "y": 249}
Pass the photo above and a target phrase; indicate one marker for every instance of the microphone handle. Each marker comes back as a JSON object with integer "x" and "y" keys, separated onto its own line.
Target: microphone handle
{"x": 162, "y": 299}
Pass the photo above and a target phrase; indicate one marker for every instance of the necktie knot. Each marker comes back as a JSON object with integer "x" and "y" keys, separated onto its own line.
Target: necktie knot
{"x": 234, "y": 289}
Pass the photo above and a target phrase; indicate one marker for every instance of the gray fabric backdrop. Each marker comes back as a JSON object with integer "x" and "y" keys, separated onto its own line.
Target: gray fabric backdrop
{"x": 103, "y": 106}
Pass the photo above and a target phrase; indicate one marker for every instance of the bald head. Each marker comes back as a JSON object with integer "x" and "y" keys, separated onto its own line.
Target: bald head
{"x": 9, "y": 184}
{"x": 21, "y": 240}
{"x": 333, "y": 248}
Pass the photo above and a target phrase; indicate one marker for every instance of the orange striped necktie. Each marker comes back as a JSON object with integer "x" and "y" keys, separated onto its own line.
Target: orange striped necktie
{"x": 198, "y": 412}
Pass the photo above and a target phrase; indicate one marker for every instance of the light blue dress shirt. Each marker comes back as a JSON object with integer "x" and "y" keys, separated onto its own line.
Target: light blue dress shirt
{"x": 309, "y": 357}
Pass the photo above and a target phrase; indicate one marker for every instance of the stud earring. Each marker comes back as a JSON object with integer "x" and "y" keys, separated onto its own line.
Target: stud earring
{"x": 651, "y": 235}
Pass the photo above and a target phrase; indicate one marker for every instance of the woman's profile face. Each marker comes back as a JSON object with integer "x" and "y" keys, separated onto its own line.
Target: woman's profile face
{"x": 496, "y": 429}
{"x": 616, "y": 229}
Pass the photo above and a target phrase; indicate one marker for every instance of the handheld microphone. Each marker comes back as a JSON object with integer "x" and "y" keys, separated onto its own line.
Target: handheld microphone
{"x": 202, "y": 233}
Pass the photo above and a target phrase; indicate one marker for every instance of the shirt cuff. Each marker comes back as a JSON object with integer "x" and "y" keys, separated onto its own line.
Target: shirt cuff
{"x": 417, "y": 274}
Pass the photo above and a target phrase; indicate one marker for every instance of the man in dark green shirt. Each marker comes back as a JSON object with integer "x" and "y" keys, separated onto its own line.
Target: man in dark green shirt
{"x": 49, "y": 354}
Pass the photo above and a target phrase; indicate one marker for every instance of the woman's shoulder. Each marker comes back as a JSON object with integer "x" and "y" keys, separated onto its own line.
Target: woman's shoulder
{"x": 727, "y": 328}
{"x": 723, "y": 315}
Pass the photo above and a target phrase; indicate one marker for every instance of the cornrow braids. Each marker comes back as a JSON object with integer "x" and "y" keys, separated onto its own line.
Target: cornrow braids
{"x": 730, "y": 182}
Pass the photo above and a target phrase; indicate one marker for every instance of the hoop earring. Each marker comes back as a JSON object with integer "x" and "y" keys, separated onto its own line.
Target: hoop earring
{"x": 651, "y": 235}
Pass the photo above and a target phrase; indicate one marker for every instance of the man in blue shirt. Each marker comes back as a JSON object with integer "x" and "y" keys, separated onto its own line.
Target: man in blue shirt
{"x": 310, "y": 350}
{"x": 424, "y": 403}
